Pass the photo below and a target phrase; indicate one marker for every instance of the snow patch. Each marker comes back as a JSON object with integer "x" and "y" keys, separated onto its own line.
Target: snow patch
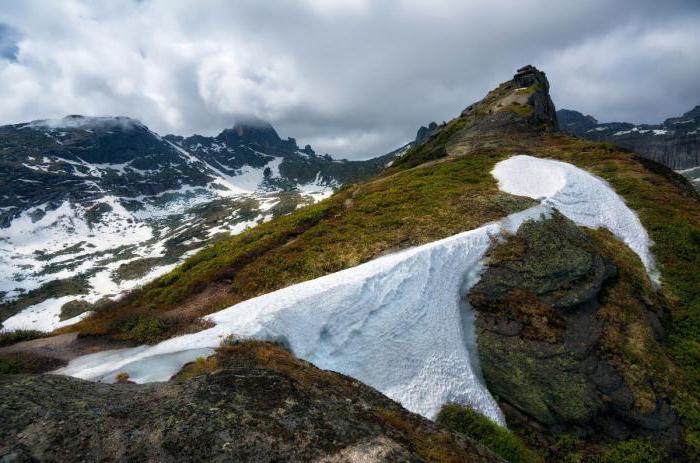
{"x": 44, "y": 316}
{"x": 580, "y": 196}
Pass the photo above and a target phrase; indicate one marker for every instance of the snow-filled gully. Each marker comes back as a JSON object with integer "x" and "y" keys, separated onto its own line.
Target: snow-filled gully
{"x": 398, "y": 323}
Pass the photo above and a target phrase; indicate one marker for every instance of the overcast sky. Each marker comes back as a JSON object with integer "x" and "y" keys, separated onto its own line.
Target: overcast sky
{"x": 354, "y": 78}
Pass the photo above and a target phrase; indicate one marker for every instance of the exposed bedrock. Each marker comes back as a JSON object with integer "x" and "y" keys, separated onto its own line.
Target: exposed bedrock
{"x": 568, "y": 329}
{"x": 251, "y": 402}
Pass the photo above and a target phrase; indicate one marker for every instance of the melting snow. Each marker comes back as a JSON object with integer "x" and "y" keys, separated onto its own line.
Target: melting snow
{"x": 400, "y": 322}
{"x": 397, "y": 323}
{"x": 580, "y": 196}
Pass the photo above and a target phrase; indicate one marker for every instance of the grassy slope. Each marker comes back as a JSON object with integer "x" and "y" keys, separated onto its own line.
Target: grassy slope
{"x": 413, "y": 205}
{"x": 405, "y": 209}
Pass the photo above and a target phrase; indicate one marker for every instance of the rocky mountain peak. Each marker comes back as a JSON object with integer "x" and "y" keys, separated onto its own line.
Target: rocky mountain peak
{"x": 535, "y": 82}
{"x": 521, "y": 104}
{"x": 260, "y": 133}
{"x": 695, "y": 112}
{"x": 254, "y": 127}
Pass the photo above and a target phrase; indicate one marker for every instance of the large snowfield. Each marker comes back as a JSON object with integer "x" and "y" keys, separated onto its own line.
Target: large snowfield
{"x": 399, "y": 323}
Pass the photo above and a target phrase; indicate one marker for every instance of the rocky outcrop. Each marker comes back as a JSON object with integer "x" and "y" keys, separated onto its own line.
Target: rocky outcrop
{"x": 522, "y": 104}
{"x": 544, "y": 114}
{"x": 554, "y": 345}
{"x": 425, "y": 132}
{"x": 252, "y": 402}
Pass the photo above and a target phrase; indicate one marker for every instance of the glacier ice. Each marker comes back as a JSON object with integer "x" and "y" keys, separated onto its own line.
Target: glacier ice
{"x": 399, "y": 323}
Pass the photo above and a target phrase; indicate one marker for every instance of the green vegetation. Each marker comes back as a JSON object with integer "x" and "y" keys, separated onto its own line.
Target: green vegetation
{"x": 146, "y": 329}
{"x": 139, "y": 267}
{"x": 632, "y": 451}
{"x": 289, "y": 201}
{"x": 432, "y": 149}
{"x": 74, "y": 308}
{"x": 489, "y": 434}
{"x": 26, "y": 363}
{"x": 12, "y": 337}
{"x": 440, "y": 448}
{"x": 200, "y": 366}
{"x": 52, "y": 289}
{"x": 520, "y": 110}
{"x": 408, "y": 208}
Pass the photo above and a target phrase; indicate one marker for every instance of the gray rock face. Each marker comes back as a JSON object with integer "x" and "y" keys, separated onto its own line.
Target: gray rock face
{"x": 544, "y": 114}
{"x": 425, "y": 132}
{"x": 259, "y": 404}
{"x": 674, "y": 143}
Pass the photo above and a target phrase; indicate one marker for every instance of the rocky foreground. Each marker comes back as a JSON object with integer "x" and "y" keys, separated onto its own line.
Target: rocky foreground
{"x": 251, "y": 402}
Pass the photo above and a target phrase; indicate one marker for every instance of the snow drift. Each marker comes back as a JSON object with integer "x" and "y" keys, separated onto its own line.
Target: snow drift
{"x": 580, "y": 196}
{"x": 399, "y": 323}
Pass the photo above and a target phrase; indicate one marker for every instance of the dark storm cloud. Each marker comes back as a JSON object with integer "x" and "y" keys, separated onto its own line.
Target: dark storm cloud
{"x": 351, "y": 77}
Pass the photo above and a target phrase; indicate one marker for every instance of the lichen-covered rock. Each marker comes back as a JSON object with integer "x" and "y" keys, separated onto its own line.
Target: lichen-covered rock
{"x": 252, "y": 402}
{"x": 554, "y": 315}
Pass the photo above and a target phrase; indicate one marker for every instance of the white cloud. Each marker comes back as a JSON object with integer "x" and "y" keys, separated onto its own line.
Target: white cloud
{"x": 235, "y": 83}
{"x": 354, "y": 78}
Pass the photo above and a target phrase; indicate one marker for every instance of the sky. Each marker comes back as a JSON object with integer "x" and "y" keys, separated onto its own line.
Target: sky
{"x": 354, "y": 78}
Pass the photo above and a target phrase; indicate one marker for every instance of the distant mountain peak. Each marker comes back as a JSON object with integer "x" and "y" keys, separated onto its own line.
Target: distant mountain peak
{"x": 695, "y": 112}
{"x": 675, "y": 142}
{"x": 253, "y": 125}
{"x": 78, "y": 121}
{"x": 257, "y": 132}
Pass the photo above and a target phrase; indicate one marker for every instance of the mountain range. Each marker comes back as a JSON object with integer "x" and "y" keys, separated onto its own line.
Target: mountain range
{"x": 93, "y": 206}
{"x": 675, "y": 142}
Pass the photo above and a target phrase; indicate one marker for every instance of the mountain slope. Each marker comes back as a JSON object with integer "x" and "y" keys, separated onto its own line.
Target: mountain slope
{"x": 92, "y": 207}
{"x": 674, "y": 143}
{"x": 624, "y": 351}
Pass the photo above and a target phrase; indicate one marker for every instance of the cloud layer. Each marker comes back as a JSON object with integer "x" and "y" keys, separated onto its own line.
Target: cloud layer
{"x": 351, "y": 77}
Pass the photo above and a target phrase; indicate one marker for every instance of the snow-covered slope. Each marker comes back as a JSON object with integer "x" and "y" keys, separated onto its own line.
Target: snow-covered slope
{"x": 398, "y": 323}
{"x": 91, "y": 207}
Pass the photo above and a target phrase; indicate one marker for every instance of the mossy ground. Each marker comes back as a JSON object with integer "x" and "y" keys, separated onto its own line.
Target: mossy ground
{"x": 12, "y": 337}
{"x": 16, "y": 363}
{"x": 489, "y": 434}
{"x": 74, "y": 308}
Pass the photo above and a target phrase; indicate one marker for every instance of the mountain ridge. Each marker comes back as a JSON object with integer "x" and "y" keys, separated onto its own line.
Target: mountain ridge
{"x": 576, "y": 339}
{"x": 675, "y": 142}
